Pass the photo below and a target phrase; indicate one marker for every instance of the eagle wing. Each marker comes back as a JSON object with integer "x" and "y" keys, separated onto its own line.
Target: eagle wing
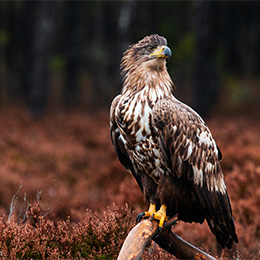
{"x": 119, "y": 145}
{"x": 191, "y": 152}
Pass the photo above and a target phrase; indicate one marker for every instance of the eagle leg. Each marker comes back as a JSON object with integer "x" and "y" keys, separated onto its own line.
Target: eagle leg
{"x": 147, "y": 214}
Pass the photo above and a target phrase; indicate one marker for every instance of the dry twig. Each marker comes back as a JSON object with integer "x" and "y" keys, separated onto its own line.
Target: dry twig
{"x": 14, "y": 202}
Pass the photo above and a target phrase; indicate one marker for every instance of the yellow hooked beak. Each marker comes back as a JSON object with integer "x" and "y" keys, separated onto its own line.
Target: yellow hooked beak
{"x": 162, "y": 52}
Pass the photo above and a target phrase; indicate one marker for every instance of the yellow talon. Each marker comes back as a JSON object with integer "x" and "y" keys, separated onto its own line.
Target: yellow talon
{"x": 151, "y": 210}
{"x": 147, "y": 214}
{"x": 161, "y": 215}
{"x": 158, "y": 215}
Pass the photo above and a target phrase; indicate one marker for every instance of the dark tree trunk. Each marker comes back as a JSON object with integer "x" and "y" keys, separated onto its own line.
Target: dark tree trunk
{"x": 124, "y": 37}
{"x": 13, "y": 50}
{"x": 206, "y": 86}
{"x": 102, "y": 53}
{"x": 41, "y": 50}
{"x": 28, "y": 14}
{"x": 73, "y": 50}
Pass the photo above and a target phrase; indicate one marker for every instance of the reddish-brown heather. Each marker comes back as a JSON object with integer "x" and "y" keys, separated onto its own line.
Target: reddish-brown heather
{"x": 69, "y": 157}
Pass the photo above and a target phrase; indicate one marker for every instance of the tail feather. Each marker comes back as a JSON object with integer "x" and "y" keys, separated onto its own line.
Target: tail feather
{"x": 218, "y": 214}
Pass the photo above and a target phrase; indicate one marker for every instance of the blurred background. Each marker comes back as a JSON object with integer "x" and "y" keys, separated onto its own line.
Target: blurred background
{"x": 59, "y": 71}
{"x": 67, "y": 53}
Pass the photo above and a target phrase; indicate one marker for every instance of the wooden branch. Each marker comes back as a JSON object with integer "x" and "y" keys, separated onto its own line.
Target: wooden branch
{"x": 137, "y": 240}
{"x": 179, "y": 247}
{"x": 141, "y": 235}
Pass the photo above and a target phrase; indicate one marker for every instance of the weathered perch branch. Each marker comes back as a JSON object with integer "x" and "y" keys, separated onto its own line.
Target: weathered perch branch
{"x": 141, "y": 235}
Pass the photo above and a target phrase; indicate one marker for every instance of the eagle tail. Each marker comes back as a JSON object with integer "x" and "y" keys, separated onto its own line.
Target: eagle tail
{"x": 218, "y": 214}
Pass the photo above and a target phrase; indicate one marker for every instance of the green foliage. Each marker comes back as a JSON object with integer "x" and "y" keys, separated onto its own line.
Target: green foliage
{"x": 4, "y": 37}
{"x": 184, "y": 51}
{"x": 57, "y": 63}
{"x": 238, "y": 92}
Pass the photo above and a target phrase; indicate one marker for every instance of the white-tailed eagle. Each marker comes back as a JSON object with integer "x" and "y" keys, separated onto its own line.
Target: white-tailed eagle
{"x": 167, "y": 146}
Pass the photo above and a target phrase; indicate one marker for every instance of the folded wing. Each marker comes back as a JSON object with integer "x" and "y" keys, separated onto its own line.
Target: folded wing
{"x": 190, "y": 150}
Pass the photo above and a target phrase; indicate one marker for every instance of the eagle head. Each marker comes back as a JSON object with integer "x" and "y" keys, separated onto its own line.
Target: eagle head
{"x": 149, "y": 53}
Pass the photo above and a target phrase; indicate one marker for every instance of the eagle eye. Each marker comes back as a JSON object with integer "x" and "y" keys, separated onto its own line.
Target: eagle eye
{"x": 149, "y": 48}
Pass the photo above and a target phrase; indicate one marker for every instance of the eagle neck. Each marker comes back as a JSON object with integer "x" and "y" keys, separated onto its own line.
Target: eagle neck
{"x": 157, "y": 83}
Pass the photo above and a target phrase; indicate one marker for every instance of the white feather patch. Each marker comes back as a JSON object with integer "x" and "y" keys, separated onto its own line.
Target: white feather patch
{"x": 198, "y": 176}
{"x": 215, "y": 184}
{"x": 205, "y": 138}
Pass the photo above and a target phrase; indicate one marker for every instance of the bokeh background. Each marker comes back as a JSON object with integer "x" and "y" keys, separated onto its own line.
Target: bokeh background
{"x": 59, "y": 71}
{"x": 67, "y": 53}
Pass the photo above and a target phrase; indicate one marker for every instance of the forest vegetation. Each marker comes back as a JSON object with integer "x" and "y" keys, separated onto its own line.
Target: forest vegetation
{"x": 59, "y": 71}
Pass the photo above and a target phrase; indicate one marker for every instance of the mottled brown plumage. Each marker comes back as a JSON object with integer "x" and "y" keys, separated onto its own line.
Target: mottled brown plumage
{"x": 166, "y": 145}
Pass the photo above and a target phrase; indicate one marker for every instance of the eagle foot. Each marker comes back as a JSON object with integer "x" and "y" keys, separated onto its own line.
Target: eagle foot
{"x": 147, "y": 214}
{"x": 161, "y": 216}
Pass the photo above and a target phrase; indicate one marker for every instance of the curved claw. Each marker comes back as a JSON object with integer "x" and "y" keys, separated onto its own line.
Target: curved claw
{"x": 140, "y": 216}
{"x": 170, "y": 222}
{"x": 160, "y": 230}
{"x": 167, "y": 225}
{"x": 146, "y": 214}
